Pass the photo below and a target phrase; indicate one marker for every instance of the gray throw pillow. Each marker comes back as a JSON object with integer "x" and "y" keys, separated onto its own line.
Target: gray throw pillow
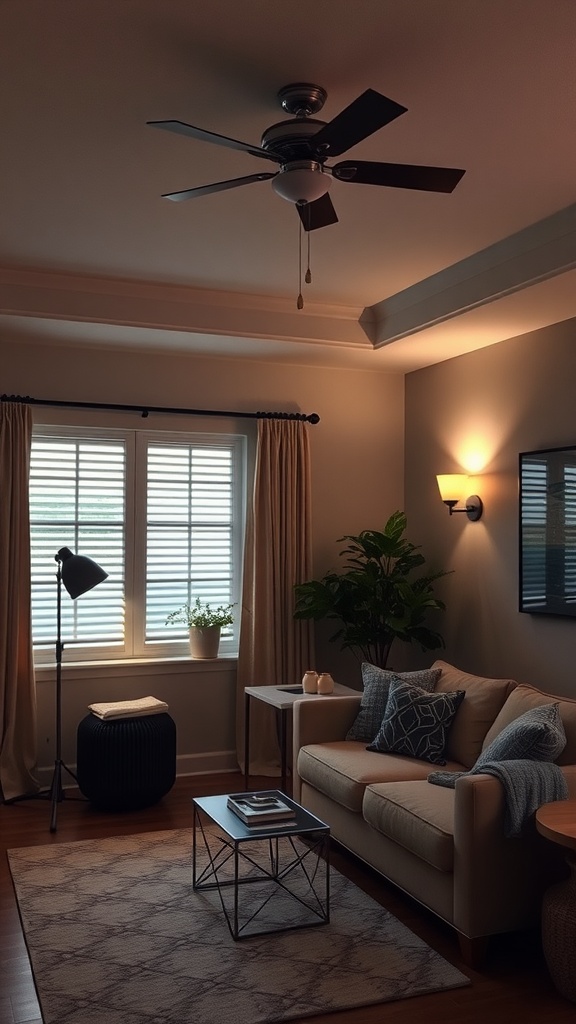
{"x": 537, "y": 735}
{"x": 416, "y": 723}
{"x": 376, "y": 682}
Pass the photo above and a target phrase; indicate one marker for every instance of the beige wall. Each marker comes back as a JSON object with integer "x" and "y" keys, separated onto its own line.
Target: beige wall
{"x": 486, "y": 407}
{"x": 357, "y": 481}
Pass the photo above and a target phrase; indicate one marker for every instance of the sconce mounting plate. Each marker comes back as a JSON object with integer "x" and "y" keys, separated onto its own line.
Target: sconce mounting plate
{"x": 474, "y": 508}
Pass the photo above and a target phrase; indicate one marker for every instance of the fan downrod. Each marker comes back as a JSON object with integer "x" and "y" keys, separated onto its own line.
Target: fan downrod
{"x": 302, "y": 99}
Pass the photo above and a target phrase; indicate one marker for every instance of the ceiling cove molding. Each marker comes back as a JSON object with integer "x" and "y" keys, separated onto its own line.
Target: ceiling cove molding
{"x": 31, "y": 292}
{"x": 541, "y": 251}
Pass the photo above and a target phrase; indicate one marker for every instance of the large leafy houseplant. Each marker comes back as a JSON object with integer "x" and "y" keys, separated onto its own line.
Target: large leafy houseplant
{"x": 377, "y": 599}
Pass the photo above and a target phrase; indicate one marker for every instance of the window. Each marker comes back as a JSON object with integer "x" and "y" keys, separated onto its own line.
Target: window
{"x": 162, "y": 513}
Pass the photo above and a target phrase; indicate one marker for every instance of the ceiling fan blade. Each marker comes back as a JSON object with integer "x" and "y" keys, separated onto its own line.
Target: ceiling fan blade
{"x": 427, "y": 179}
{"x": 217, "y": 186}
{"x": 364, "y": 116}
{"x": 318, "y": 214}
{"x": 181, "y": 128}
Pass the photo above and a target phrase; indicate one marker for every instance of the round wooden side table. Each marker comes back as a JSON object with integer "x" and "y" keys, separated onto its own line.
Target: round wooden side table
{"x": 557, "y": 822}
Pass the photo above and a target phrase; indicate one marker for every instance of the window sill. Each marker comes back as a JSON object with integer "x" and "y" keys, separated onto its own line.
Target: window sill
{"x": 141, "y": 667}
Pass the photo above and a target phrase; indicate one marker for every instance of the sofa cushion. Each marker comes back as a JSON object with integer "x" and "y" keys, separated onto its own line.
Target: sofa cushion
{"x": 376, "y": 682}
{"x": 484, "y": 699}
{"x": 418, "y": 817}
{"x": 416, "y": 723}
{"x": 342, "y": 770}
{"x": 522, "y": 699}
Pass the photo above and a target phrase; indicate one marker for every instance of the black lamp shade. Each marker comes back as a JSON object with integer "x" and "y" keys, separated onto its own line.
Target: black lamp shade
{"x": 79, "y": 573}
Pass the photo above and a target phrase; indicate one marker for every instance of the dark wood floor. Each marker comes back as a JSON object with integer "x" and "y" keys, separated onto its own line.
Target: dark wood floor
{"x": 513, "y": 983}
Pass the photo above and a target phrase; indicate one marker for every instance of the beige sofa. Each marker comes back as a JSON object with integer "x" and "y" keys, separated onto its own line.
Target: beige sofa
{"x": 445, "y": 847}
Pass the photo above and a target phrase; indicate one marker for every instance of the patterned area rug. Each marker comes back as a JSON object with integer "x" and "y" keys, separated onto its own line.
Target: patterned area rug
{"x": 116, "y": 934}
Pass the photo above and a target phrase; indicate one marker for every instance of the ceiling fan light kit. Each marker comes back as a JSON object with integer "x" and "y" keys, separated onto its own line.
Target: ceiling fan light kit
{"x": 301, "y": 146}
{"x": 301, "y": 182}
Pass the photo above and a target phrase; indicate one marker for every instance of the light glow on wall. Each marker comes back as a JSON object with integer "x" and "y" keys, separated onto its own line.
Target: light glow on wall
{"x": 474, "y": 454}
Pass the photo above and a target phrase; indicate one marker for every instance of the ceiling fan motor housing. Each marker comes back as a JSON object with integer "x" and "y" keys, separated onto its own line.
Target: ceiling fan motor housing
{"x": 294, "y": 140}
{"x": 301, "y": 178}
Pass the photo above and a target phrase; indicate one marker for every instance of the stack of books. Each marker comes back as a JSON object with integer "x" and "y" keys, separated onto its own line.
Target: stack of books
{"x": 260, "y": 809}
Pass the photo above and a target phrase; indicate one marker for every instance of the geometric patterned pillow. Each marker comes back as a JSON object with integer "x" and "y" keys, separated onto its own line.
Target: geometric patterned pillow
{"x": 416, "y": 723}
{"x": 376, "y": 682}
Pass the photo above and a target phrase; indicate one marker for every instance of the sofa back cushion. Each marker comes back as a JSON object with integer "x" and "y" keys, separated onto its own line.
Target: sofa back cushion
{"x": 522, "y": 699}
{"x": 484, "y": 699}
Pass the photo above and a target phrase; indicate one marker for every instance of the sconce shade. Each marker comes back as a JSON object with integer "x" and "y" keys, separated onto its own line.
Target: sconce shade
{"x": 79, "y": 573}
{"x": 452, "y": 486}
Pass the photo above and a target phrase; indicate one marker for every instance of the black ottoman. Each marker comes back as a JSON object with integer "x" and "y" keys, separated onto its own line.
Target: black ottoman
{"x": 124, "y": 764}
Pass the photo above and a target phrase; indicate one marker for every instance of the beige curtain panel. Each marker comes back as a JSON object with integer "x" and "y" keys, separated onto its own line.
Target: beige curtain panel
{"x": 17, "y": 685}
{"x": 274, "y": 647}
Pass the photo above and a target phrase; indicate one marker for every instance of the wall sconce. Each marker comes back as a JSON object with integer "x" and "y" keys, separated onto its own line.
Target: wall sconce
{"x": 453, "y": 487}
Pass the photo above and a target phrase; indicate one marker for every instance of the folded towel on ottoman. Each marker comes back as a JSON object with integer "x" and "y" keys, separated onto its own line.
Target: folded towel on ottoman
{"x": 129, "y": 708}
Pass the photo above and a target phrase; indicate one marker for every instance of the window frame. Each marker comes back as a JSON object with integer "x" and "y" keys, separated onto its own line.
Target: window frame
{"x": 136, "y": 441}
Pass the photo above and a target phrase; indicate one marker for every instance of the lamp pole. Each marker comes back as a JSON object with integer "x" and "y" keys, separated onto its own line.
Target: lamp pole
{"x": 56, "y": 789}
{"x": 78, "y": 574}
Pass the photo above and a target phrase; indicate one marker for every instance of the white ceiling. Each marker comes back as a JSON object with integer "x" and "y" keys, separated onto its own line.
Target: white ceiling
{"x": 91, "y": 253}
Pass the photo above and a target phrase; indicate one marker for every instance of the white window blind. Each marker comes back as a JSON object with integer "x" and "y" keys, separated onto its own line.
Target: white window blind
{"x": 77, "y": 500}
{"x": 190, "y": 522}
{"x": 162, "y": 513}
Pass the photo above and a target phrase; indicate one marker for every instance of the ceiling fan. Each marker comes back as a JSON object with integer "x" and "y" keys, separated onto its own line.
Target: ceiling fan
{"x": 302, "y": 146}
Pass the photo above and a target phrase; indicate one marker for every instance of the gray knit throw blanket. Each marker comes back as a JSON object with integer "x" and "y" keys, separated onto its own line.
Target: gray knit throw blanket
{"x": 527, "y": 785}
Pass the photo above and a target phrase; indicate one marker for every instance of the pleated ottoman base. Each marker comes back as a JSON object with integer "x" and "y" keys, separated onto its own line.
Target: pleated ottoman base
{"x": 126, "y": 764}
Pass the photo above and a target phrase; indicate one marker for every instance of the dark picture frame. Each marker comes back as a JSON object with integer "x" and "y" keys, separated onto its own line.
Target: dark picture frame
{"x": 547, "y": 531}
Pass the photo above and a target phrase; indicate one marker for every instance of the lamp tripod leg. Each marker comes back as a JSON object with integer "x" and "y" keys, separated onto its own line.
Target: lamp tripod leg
{"x": 56, "y": 793}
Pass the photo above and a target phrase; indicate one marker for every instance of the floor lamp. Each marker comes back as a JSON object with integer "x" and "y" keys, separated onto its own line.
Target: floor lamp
{"x": 78, "y": 574}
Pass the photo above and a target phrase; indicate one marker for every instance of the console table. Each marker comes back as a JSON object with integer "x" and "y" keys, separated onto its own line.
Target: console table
{"x": 282, "y": 699}
{"x": 557, "y": 822}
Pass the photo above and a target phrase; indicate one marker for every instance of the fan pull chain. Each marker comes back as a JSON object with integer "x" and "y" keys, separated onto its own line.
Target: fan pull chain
{"x": 308, "y": 274}
{"x": 300, "y": 300}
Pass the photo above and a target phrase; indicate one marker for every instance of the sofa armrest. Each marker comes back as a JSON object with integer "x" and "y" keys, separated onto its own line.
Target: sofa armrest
{"x": 323, "y": 721}
{"x": 569, "y": 771}
{"x": 498, "y": 882}
{"x": 320, "y": 721}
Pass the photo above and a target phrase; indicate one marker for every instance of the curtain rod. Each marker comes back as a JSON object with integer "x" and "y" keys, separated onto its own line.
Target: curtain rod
{"x": 144, "y": 410}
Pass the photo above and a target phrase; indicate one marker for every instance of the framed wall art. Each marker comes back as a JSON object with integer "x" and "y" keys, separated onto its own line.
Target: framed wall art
{"x": 547, "y": 531}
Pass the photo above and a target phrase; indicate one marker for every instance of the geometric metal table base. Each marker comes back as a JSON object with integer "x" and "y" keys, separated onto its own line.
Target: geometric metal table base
{"x": 269, "y": 880}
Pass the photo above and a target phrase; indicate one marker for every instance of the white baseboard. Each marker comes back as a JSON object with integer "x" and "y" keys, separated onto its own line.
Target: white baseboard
{"x": 215, "y": 762}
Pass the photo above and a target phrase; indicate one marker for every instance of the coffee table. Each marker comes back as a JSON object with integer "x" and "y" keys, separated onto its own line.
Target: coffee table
{"x": 269, "y": 879}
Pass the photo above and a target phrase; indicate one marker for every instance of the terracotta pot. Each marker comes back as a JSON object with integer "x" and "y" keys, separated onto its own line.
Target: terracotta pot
{"x": 204, "y": 641}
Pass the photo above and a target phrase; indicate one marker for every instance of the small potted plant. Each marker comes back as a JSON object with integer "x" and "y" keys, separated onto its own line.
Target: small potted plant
{"x": 204, "y": 626}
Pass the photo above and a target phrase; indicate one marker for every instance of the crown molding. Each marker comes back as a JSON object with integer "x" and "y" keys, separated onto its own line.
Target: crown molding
{"x": 537, "y": 253}
{"x": 83, "y": 298}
